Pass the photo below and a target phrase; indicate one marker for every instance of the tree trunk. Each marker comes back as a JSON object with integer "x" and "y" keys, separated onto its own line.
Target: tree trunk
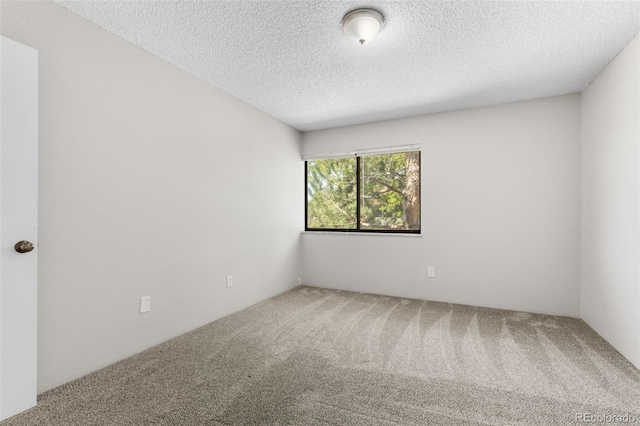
{"x": 412, "y": 192}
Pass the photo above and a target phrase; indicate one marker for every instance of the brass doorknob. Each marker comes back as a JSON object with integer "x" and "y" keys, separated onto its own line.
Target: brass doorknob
{"x": 23, "y": 246}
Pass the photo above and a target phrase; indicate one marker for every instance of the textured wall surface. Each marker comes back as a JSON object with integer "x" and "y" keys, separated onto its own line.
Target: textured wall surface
{"x": 152, "y": 183}
{"x": 500, "y": 210}
{"x": 610, "y": 297}
{"x": 291, "y": 59}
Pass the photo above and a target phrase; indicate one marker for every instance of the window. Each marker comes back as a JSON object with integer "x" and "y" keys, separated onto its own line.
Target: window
{"x": 364, "y": 193}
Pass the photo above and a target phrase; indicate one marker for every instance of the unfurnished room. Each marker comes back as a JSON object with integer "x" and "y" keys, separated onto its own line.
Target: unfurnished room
{"x": 288, "y": 212}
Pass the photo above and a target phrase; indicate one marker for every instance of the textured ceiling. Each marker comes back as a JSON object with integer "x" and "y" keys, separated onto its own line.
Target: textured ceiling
{"x": 291, "y": 59}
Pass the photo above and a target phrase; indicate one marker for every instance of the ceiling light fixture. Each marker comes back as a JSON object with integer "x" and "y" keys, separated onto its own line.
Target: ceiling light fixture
{"x": 362, "y": 24}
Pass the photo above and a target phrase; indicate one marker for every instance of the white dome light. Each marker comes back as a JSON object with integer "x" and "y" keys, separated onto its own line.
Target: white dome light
{"x": 362, "y": 24}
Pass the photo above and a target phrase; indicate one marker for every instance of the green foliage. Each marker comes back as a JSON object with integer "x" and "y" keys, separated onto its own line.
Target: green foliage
{"x": 389, "y": 192}
{"x": 383, "y": 184}
{"x": 331, "y": 193}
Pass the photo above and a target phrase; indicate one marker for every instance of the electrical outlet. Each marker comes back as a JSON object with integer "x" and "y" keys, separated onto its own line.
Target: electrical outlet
{"x": 229, "y": 280}
{"x": 299, "y": 280}
{"x": 145, "y": 304}
{"x": 431, "y": 272}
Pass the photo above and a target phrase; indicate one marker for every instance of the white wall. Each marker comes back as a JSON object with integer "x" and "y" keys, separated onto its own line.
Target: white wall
{"x": 610, "y": 294}
{"x": 151, "y": 183}
{"x": 500, "y": 210}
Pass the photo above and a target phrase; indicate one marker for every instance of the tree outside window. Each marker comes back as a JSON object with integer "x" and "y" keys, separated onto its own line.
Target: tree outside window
{"x": 373, "y": 193}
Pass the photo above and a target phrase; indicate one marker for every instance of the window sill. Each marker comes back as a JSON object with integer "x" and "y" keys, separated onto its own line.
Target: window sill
{"x": 366, "y": 234}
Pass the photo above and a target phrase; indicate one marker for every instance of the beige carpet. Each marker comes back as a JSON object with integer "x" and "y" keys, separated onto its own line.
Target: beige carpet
{"x": 314, "y": 357}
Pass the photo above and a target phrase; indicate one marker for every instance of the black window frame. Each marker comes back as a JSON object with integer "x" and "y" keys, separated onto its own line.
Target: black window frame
{"x": 358, "y": 179}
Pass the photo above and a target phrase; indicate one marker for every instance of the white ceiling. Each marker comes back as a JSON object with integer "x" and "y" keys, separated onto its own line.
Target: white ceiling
{"x": 291, "y": 59}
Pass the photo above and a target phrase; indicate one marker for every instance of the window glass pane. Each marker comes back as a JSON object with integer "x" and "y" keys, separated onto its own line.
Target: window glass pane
{"x": 390, "y": 191}
{"x": 331, "y": 194}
